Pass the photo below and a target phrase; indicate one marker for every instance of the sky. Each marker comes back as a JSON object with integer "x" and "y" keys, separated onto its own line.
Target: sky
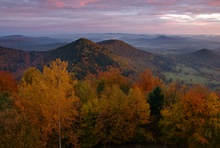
{"x": 110, "y": 16}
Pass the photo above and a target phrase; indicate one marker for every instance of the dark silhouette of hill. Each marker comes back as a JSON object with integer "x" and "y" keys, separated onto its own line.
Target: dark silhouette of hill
{"x": 121, "y": 48}
{"x": 30, "y": 43}
{"x": 17, "y": 61}
{"x": 202, "y": 58}
{"x": 85, "y": 56}
{"x": 134, "y": 59}
{"x": 205, "y": 54}
{"x": 163, "y": 43}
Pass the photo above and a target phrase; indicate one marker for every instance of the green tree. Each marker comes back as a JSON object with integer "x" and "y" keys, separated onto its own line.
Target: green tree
{"x": 156, "y": 101}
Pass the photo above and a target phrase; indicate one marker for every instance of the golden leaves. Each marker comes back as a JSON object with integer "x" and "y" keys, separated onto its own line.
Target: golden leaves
{"x": 48, "y": 99}
{"x": 195, "y": 117}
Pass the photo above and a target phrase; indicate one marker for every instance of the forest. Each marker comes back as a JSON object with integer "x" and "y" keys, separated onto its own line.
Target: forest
{"x": 49, "y": 107}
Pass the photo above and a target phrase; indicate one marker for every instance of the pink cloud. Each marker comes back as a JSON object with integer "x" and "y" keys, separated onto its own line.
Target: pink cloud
{"x": 83, "y": 3}
{"x": 215, "y": 2}
{"x": 57, "y": 3}
{"x": 70, "y": 3}
{"x": 161, "y": 2}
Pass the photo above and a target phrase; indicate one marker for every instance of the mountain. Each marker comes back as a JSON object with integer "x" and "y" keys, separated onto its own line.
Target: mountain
{"x": 85, "y": 56}
{"x": 17, "y": 61}
{"x": 133, "y": 59}
{"x": 205, "y": 54}
{"x": 202, "y": 58}
{"x": 30, "y": 43}
{"x": 173, "y": 44}
{"x": 121, "y": 48}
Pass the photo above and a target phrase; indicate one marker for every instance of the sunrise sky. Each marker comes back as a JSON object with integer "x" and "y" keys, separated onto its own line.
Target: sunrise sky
{"x": 106, "y": 16}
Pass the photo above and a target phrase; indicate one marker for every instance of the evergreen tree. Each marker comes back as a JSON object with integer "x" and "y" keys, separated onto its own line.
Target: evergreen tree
{"x": 156, "y": 101}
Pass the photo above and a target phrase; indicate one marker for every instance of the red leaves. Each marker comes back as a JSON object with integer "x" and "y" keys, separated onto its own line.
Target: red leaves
{"x": 7, "y": 82}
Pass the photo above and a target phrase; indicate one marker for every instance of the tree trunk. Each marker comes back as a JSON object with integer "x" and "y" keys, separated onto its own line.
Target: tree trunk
{"x": 59, "y": 134}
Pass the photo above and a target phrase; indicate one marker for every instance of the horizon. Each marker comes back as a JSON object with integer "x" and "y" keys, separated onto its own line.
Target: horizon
{"x": 171, "y": 17}
{"x": 51, "y": 35}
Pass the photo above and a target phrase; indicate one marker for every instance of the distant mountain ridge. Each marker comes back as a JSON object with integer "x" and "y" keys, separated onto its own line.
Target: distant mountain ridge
{"x": 30, "y": 43}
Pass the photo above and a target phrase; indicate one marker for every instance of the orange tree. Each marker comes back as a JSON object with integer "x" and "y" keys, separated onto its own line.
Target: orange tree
{"x": 193, "y": 120}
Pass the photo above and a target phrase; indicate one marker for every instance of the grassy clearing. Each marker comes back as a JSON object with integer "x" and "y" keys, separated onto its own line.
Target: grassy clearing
{"x": 186, "y": 70}
{"x": 186, "y": 78}
{"x": 190, "y": 75}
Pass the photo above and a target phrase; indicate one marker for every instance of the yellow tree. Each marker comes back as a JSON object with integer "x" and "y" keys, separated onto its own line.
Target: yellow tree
{"x": 114, "y": 112}
{"x": 173, "y": 93}
{"x": 113, "y": 76}
{"x": 48, "y": 100}
{"x": 115, "y": 117}
{"x": 194, "y": 119}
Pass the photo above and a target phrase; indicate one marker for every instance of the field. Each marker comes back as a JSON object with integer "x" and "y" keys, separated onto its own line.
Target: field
{"x": 191, "y": 75}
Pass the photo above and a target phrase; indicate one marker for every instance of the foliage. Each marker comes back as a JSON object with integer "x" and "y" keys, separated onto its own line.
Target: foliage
{"x": 156, "y": 101}
{"x": 7, "y": 82}
{"x": 5, "y": 101}
{"x": 116, "y": 107}
{"x": 147, "y": 81}
{"x": 173, "y": 93}
{"x": 113, "y": 76}
{"x": 47, "y": 100}
{"x": 15, "y": 131}
{"x": 104, "y": 120}
{"x": 50, "y": 109}
{"x": 194, "y": 119}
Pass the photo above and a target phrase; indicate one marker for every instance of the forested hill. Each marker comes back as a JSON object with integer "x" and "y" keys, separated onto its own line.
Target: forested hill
{"x": 203, "y": 58}
{"x": 85, "y": 56}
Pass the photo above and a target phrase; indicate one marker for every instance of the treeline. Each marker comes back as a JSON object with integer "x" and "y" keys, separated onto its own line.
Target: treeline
{"x": 52, "y": 109}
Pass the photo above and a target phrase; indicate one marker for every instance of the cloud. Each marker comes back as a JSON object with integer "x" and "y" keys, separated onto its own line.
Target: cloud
{"x": 57, "y": 3}
{"x": 112, "y": 15}
{"x": 215, "y": 2}
{"x": 69, "y": 3}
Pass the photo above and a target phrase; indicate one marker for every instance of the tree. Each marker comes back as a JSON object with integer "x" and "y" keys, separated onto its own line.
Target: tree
{"x": 7, "y": 82}
{"x": 194, "y": 120}
{"x": 156, "y": 101}
{"x": 111, "y": 77}
{"x": 115, "y": 117}
{"x": 15, "y": 130}
{"x": 47, "y": 99}
{"x": 173, "y": 93}
{"x": 117, "y": 114}
{"x": 147, "y": 82}
{"x": 8, "y": 85}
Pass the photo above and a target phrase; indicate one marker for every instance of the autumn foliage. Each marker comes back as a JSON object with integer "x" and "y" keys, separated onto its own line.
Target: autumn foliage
{"x": 7, "y": 82}
{"x": 49, "y": 108}
{"x": 194, "y": 120}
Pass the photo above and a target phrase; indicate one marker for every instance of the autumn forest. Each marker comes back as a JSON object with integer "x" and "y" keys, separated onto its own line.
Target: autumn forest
{"x": 51, "y": 108}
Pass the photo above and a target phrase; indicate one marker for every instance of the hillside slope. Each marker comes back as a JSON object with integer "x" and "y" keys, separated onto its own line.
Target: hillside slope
{"x": 202, "y": 58}
{"x": 85, "y": 56}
